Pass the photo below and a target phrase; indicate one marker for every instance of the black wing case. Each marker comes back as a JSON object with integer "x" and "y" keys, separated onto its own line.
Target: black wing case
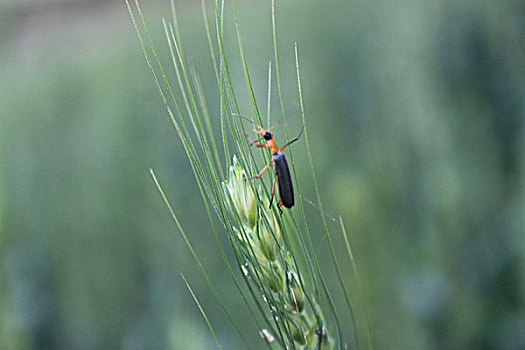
{"x": 284, "y": 179}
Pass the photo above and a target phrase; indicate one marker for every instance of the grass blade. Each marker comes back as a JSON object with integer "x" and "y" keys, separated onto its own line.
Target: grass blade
{"x": 320, "y": 204}
{"x": 359, "y": 284}
{"x": 202, "y": 311}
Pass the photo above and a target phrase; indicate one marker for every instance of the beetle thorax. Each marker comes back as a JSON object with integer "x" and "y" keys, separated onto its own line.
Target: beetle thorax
{"x": 270, "y": 144}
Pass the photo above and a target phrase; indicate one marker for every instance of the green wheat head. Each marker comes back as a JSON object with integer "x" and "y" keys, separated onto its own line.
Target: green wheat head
{"x": 271, "y": 266}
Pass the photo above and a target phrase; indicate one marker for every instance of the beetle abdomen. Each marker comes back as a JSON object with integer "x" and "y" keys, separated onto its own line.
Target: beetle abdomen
{"x": 284, "y": 179}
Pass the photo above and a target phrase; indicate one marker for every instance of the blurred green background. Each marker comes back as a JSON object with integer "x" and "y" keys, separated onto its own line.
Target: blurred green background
{"x": 416, "y": 123}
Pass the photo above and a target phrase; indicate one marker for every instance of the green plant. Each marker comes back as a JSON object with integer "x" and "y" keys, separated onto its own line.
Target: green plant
{"x": 274, "y": 252}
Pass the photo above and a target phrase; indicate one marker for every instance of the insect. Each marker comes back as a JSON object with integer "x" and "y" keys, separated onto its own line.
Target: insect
{"x": 282, "y": 172}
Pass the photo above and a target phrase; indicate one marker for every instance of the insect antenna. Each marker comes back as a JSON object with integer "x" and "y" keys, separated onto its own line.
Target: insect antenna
{"x": 275, "y": 125}
{"x": 245, "y": 118}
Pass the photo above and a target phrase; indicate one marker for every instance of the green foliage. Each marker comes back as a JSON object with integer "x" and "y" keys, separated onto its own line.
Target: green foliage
{"x": 415, "y": 117}
{"x": 255, "y": 232}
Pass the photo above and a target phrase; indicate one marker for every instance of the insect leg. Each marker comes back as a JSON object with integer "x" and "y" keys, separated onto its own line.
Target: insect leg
{"x": 297, "y": 138}
{"x": 253, "y": 142}
{"x": 262, "y": 171}
{"x": 279, "y": 206}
